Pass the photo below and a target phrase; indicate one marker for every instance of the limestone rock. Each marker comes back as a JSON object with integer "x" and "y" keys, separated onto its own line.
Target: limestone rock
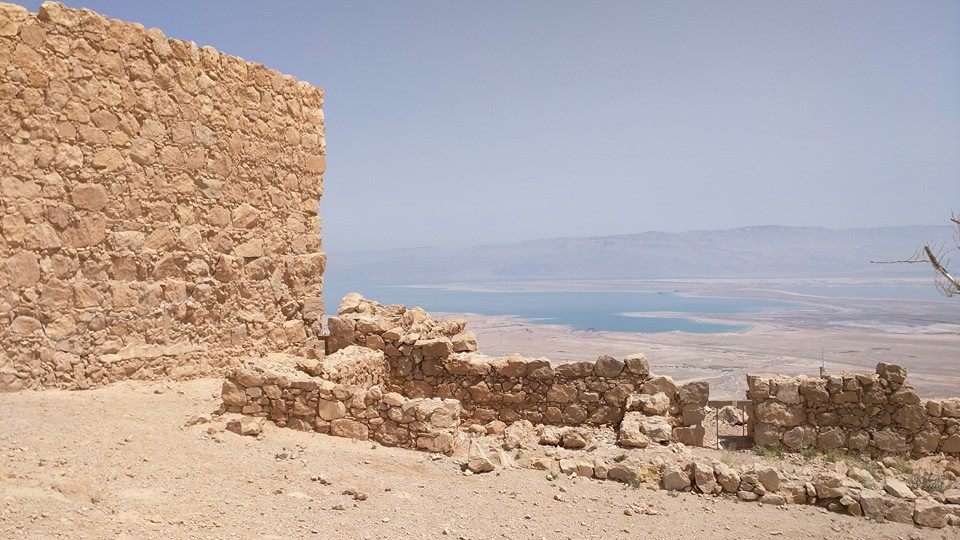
{"x": 931, "y": 514}
{"x": 246, "y": 425}
{"x": 89, "y": 197}
{"x": 478, "y": 461}
{"x": 829, "y": 485}
{"x": 689, "y": 435}
{"x": 694, "y": 393}
{"x": 732, "y": 416}
{"x": 727, "y": 477}
{"x": 674, "y": 478}
{"x": 703, "y": 477}
{"x": 873, "y": 504}
{"x": 637, "y": 364}
{"x": 232, "y": 394}
{"x": 898, "y": 488}
{"x": 664, "y": 384}
{"x": 657, "y": 428}
{"x": 608, "y": 367}
{"x": 631, "y": 431}
{"x": 773, "y": 498}
{"x": 345, "y": 427}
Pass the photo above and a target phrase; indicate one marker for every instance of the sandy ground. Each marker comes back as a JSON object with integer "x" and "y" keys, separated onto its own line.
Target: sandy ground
{"x": 120, "y": 462}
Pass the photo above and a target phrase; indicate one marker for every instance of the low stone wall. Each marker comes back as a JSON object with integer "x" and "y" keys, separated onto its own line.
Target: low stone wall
{"x": 876, "y": 413}
{"x": 434, "y": 358}
{"x": 276, "y": 388}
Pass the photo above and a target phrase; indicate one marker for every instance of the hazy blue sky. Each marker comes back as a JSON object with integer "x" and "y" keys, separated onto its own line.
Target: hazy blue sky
{"x": 473, "y": 122}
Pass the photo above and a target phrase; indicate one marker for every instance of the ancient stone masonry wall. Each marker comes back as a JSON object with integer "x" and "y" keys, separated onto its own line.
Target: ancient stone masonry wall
{"x": 279, "y": 388}
{"x": 429, "y": 358}
{"x": 876, "y": 413}
{"x": 158, "y": 206}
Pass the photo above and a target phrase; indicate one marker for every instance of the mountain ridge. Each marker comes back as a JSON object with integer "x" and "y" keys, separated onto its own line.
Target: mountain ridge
{"x": 754, "y": 251}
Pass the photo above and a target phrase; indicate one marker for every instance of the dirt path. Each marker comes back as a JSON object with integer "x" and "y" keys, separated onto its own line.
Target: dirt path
{"x": 119, "y": 461}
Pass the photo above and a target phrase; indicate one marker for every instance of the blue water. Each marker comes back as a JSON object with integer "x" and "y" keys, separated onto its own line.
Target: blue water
{"x": 583, "y": 310}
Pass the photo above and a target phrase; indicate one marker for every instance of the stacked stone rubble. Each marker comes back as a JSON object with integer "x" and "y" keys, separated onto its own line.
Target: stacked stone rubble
{"x": 276, "y": 388}
{"x": 435, "y": 358}
{"x": 158, "y": 204}
{"x": 876, "y": 413}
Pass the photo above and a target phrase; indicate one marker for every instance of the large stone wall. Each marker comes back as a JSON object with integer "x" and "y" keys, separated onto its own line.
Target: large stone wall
{"x": 876, "y": 413}
{"x": 158, "y": 207}
{"x": 431, "y": 358}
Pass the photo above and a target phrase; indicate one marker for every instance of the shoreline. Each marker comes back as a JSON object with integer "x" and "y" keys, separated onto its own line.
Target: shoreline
{"x": 725, "y": 359}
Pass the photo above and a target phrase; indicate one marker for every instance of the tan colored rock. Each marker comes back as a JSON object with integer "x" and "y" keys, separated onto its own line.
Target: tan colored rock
{"x": 898, "y": 488}
{"x": 662, "y": 384}
{"x": 232, "y": 394}
{"x": 779, "y": 414}
{"x": 478, "y": 460}
{"x": 89, "y": 197}
{"x": 108, "y": 160}
{"x": 637, "y": 364}
{"x": 331, "y": 410}
{"x": 931, "y": 514}
{"x": 23, "y": 269}
{"x": 246, "y": 425}
{"x": 829, "y": 485}
{"x": 345, "y": 427}
{"x": 674, "y": 478}
{"x": 694, "y": 393}
{"x": 631, "y": 433}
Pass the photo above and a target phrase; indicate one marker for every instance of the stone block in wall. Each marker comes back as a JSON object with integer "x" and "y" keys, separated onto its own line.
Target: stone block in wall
{"x": 638, "y": 365}
{"x": 779, "y": 414}
{"x": 694, "y": 393}
{"x": 891, "y": 372}
{"x": 661, "y": 384}
{"x": 800, "y": 437}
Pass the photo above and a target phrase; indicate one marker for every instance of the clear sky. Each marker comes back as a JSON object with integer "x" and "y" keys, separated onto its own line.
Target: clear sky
{"x": 473, "y": 122}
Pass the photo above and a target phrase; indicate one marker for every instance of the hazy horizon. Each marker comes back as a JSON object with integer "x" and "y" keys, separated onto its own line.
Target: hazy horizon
{"x": 947, "y": 231}
{"x": 454, "y": 123}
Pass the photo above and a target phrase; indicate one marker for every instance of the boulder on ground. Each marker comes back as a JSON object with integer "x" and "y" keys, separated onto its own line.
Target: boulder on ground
{"x": 246, "y": 425}
{"x": 732, "y": 416}
{"x": 630, "y": 433}
{"x": 478, "y": 460}
{"x": 674, "y": 478}
{"x": 931, "y": 514}
{"x": 898, "y": 488}
{"x": 829, "y": 485}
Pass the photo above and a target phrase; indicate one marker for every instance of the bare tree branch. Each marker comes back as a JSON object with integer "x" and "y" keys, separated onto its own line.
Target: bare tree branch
{"x": 953, "y": 286}
{"x": 946, "y": 283}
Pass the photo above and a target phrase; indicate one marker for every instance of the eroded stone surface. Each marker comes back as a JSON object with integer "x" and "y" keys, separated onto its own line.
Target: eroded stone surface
{"x": 154, "y": 193}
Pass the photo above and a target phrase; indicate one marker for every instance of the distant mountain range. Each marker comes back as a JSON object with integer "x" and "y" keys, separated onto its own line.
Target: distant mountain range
{"x": 754, "y": 252}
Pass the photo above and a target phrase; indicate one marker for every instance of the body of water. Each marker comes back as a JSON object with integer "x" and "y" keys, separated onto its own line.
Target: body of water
{"x": 582, "y": 310}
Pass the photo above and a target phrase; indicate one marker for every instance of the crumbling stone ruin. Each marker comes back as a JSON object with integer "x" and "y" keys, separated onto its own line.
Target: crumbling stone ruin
{"x": 402, "y": 378}
{"x": 875, "y": 413}
{"x": 159, "y": 204}
{"x": 160, "y": 220}
{"x": 303, "y": 395}
{"x": 439, "y": 359}
{"x": 417, "y": 364}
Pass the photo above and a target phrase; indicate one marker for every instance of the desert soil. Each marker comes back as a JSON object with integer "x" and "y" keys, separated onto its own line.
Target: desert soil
{"x": 120, "y": 461}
